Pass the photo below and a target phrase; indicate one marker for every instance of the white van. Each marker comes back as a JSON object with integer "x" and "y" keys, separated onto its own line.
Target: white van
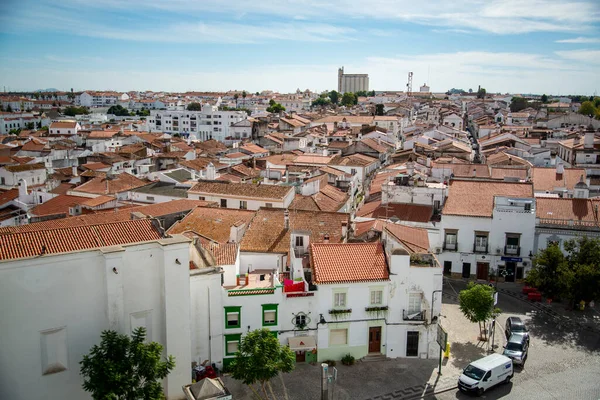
{"x": 485, "y": 373}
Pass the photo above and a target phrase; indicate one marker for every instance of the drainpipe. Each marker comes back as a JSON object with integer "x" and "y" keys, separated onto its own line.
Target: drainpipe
{"x": 432, "y": 297}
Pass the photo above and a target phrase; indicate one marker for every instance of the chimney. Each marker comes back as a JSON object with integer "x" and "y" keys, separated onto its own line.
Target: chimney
{"x": 22, "y": 190}
{"x": 474, "y": 172}
{"x": 211, "y": 173}
{"x": 286, "y": 220}
{"x": 325, "y": 152}
{"x": 344, "y": 229}
{"x": 560, "y": 168}
{"x": 236, "y": 232}
{"x": 588, "y": 140}
{"x": 326, "y": 238}
{"x": 335, "y": 127}
{"x": 576, "y": 141}
{"x": 410, "y": 168}
{"x": 74, "y": 170}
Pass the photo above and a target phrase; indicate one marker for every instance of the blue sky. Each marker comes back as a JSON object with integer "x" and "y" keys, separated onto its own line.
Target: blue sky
{"x": 518, "y": 46}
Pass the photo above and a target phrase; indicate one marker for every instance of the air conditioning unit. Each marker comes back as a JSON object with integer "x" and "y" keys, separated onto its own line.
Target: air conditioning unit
{"x": 438, "y": 250}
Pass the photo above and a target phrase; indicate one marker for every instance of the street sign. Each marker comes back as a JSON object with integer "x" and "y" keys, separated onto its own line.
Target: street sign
{"x": 511, "y": 259}
{"x": 442, "y": 337}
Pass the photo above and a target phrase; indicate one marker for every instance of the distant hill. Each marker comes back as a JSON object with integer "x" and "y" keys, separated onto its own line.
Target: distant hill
{"x": 48, "y": 90}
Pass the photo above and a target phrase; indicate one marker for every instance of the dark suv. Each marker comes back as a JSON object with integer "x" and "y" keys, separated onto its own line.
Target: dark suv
{"x": 515, "y": 325}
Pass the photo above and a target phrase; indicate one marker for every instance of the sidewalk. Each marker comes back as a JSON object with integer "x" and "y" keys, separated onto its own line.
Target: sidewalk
{"x": 398, "y": 379}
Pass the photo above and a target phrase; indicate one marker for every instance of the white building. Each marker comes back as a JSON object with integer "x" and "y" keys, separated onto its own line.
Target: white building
{"x": 32, "y": 174}
{"x": 57, "y": 298}
{"x": 210, "y": 123}
{"x": 242, "y": 196}
{"x": 487, "y": 226}
{"x": 64, "y": 128}
{"x": 12, "y": 121}
{"x": 100, "y": 99}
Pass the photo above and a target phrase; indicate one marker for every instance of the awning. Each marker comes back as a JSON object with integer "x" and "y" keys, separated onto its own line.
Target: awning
{"x": 298, "y": 343}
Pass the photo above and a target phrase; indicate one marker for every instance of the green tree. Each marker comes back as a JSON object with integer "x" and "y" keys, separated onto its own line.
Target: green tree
{"x": 244, "y": 94}
{"x": 481, "y": 93}
{"x": 30, "y": 125}
{"x": 518, "y": 104}
{"x": 544, "y": 98}
{"x": 118, "y": 110}
{"x": 275, "y": 107}
{"x": 259, "y": 359}
{"x": 73, "y": 111}
{"x": 321, "y": 102}
{"x": 477, "y": 304}
{"x": 596, "y": 101}
{"x": 8, "y": 108}
{"x": 15, "y": 131}
{"x": 379, "y": 108}
{"x": 548, "y": 272}
{"x": 348, "y": 99}
{"x": 587, "y": 108}
{"x": 125, "y": 368}
{"x": 372, "y": 93}
{"x": 194, "y": 107}
{"x": 334, "y": 96}
{"x": 236, "y": 96}
{"x": 361, "y": 93}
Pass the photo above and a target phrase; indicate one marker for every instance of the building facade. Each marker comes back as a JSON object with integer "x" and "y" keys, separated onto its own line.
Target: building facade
{"x": 352, "y": 82}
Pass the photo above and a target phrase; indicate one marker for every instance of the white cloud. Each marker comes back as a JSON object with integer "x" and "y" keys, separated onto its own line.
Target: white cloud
{"x": 591, "y": 57}
{"x": 580, "y": 40}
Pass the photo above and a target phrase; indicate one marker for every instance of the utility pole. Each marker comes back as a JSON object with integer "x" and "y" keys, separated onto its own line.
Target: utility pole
{"x": 324, "y": 381}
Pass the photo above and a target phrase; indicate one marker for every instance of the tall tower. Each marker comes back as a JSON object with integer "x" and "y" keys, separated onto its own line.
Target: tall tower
{"x": 409, "y": 84}
{"x": 340, "y": 75}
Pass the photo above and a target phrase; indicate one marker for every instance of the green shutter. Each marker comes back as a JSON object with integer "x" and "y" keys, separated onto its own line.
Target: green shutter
{"x": 229, "y": 310}
{"x": 269, "y": 307}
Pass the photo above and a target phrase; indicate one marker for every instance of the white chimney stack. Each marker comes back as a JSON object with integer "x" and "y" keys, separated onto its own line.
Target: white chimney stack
{"x": 22, "y": 189}
{"x": 560, "y": 168}
{"x": 588, "y": 140}
{"x": 286, "y": 220}
{"x": 211, "y": 173}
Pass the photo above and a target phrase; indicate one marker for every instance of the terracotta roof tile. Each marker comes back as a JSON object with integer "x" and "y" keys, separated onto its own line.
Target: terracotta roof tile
{"x": 212, "y": 223}
{"x": 24, "y": 167}
{"x": 119, "y": 183}
{"x": 266, "y": 233}
{"x": 415, "y": 239}
{"x": 348, "y": 262}
{"x": 275, "y": 192}
{"x": 224, "y": 253}
{"x": 63, "y": 125}
{"x": 476, "y": 198}
{"x": 564, "y": 210}
{"x": 8, "y": 196}
{"x": 546, "y": 179}
{"x": 58, "y": 205}
{"x": 404, "y": 212}
{"x": 501, "y": 173}
{"x": 64, "y": 240}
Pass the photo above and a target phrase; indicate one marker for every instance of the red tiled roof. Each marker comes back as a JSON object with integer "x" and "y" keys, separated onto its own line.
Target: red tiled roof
{"x": 58, "y": 205}
{"x": 24, "y": 167}
{"x": 546, "y": 179}
{"x": 65, "y": 240}
{"x": 348, "y": 262}
{"x": 476, "y": 198}
{"x": 8, "y": 196}
{"x": 119, "y": 183}
{"x": 405, "y": 212}
{"x": 212, "y": 223}
{"x": 565, "y": 210}
{"x": 414, "y": 239}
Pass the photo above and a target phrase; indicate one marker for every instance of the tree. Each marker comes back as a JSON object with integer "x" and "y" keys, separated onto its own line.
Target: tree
{"x": 321, "y": 101}
{"x": 544, "y": 98}
{"x": 371, "y": 93}
{"x": 587, "y": 108}
{"x": 348, "y": 99}
{"x": 275, "y": 107}
{"x": 236, "y": 96}
{"x": 30, "y": 125}
{"x": 259, "y": 359}
{"x": 574, "y": 276}
{"x": 518, "y": 104}
{"x": 361, "y": 93}
{"x": 481, "y": 93}
{"x": 334, "y": 96}
{"x": 194, "y": 107}
{"x": 477, "y": 304}
{"x": 379, "y": 108}
{"x": 8, "y": 108}
{"x": 118, "y": 110}
{"x": 244, "y": 94}
{"x": 124, "y": 367}
{"x": 15, "y": 131}
{"x": 73, "y": 111}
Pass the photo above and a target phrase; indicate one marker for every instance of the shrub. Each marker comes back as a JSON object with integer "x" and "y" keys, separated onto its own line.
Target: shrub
{"x": 348, "y": 359}
{"x": 331, "y": 363}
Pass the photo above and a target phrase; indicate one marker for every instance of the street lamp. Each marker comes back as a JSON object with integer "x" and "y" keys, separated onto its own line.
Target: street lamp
{"x": 502, "y": 273}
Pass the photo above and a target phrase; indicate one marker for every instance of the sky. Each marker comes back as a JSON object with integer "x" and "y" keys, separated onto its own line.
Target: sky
{"x": 506, "y": 46}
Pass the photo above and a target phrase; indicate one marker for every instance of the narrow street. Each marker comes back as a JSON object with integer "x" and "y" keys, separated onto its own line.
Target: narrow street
{"x": 563, "y": 361}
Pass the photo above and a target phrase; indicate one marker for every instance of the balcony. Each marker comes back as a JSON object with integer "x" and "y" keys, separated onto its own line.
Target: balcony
{"x": 413, "y": 316}
{"x": 449, "y": 246}
{"x": 479, "y": 248}
{"x": 512, "y": 250}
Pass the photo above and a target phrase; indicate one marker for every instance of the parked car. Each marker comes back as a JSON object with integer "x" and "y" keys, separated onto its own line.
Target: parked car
{"x": 486, "y": 373}
{"x": 517, "y": 348}
{"x": 515, "y": 325}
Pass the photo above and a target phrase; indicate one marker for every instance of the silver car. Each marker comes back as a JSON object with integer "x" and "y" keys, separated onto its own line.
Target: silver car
{"x": 517, "y": 348}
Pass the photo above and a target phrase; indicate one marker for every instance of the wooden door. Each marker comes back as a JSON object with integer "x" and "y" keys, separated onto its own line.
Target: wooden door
{"x": 375, "y": 339}
{"x": 482, "y": 271}
{"x": 300, "y": 356}
{"x": 466, "y": 272}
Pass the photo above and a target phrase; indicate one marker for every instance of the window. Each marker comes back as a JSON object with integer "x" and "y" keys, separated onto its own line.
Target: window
{"x": 338, "y": 337}
{"x": 232, "y": 344}
{"x": 299, "y": 241}
{"x": 269, "y": 205}
{"x": 150, "y": 198}
{"x": 353, "y": 171}
{"x": 339, "y": 299}
{"x": 269, "y": 314}
{"x": 243, "y": 205}
{"x": 223, "y": 203}
{"x": 233, "y": 317}
{"x": 201, "y": 198}
{"x": 376, "y": 296}
{"x": 527, "y": 206}
{"x": 300, "y": 320}
{"x": 450, "y": 240}
{"x": 481, "y": 241}
{"x": 414, "y": 303}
